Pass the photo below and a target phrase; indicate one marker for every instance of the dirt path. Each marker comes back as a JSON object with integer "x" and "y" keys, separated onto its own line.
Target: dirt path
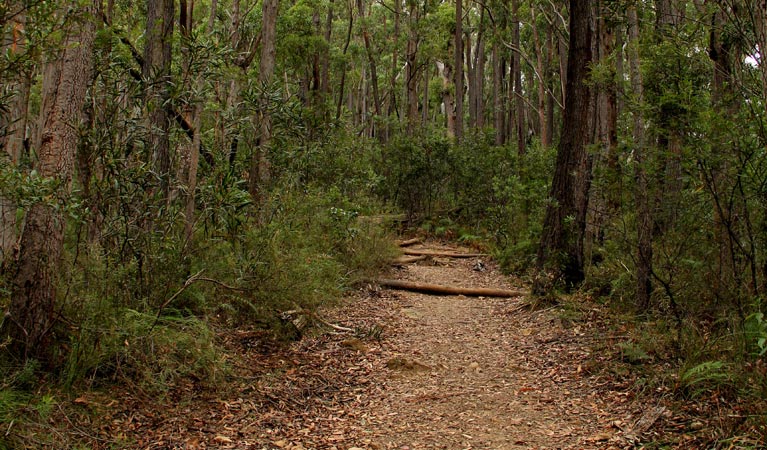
{"x": 421, "y": 372}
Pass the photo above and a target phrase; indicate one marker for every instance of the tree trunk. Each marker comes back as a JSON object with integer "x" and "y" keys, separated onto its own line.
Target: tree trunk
{"x": 411, "y": 75}
{"x": 13, "y": 126}
{"x": 499, "y": 68}
{"x": 156, "y": 70}
{"x": 371, "y": 62}
{"x": 540, "y": 57}
{"x": 446, "y": 72}
{"x": 32, "y": 311}
{"x": 342, "y": 87}
{"x": 458, "y": 70}
{"x": 325, "y": 75}
{"x": 479, "y": 77}
{"x": 471, "y": 80}
{"x": 550, "y": 97}
{"x": 260, "y": 170}
{"x": 561, "y": 248}
{"x": 516, "y": 71}
{"x": 645, "y": 222}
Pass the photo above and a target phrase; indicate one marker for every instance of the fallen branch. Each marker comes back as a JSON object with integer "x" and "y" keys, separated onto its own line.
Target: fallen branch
{"x": 427, "y": 288}
{"x": 408, "y": 259}
{"x": 409, "y": 242}
{"x": 443, "y": 254}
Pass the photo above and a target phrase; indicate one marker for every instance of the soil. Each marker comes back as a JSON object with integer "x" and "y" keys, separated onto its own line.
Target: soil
{"x": 418, "y": 372}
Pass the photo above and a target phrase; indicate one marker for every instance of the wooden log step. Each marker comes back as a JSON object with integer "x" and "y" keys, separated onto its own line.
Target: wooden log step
{"x": 414, "y": 252}
{"x": 427, "y": 288}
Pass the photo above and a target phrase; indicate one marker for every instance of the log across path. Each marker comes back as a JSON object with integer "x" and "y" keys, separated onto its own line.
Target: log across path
{"x": 429, "y": 288}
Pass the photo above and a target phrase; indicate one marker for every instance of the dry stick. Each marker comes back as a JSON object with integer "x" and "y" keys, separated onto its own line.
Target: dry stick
{"x": 409, "y": 242}
{"x": 443, "y": 254}
{"x": 316, "y": 317}
{"x": 191, "y": 280}
{"x": 449, "y": 290}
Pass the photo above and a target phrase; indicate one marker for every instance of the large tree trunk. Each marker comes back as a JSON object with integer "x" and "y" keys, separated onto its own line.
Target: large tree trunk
{"x": 561, "y": 248}
{"x": 13, "y": 125}
{"x": 445, "y": 72}
{"x": 458, "y": 70}
{"x": 156, "y": 70}
{"x": 32, "y": 312}
{"x": 260, "y": 170}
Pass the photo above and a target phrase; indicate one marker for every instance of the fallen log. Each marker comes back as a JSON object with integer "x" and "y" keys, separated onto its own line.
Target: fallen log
{"x": 442, "y": 254}
{"x": 427, "y": 288}
{"x": 409, "y": 242}
{"x": 409, "y": 259}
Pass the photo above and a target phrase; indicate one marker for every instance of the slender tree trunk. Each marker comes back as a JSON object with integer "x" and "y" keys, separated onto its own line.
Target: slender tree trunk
{"x": 156, "y": 70}
{"x": 342, "y": 87}
{"x": 411, "y": 75}
{"x": 14, "y": 124}
{"x": 499, "y": 115}
{"x": 479, "y": 68}
{"x": 540, "y": 57}
{"x": 645, "y": 222}
{"x": 669, "y": 139}
{"x": 548, "y": 136}
{"x": 325, "y": 75}
{"x": 725, "y": 102}
{"x": 564, "y": 225}
{"x": 260, "y": 169}
{"x": 32, "y": 313}
{"x": 458, "y": 70}
{"x": 471, "y": 80}
{"x": 371, "y": 63}
{"x": 194, "y": 111}
{"x": 516, "y": 70}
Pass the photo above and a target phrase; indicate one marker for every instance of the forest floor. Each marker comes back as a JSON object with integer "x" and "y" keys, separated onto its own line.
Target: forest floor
{"x": 419, "y": 372}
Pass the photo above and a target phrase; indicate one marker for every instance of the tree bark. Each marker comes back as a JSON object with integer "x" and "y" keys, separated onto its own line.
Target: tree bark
{"x": 13, "y": 125}
{"x": 156, "y": 72}
{"x": 499, "y": 69}
{"x": 32, "y": 312}
{"x": 411, "y": 73}
{"x": 371, "y": 62}
{"x": 342, "y": 87}
{"x": 479, "y": 68}
{"x": 516, "y": 77}
{"x": 446, "y": 71}
{"x": 645, "y": 222}
{"x": 260, "y": 169}
{"x": 458, "y": 70}
{"x": 561, "y": 248}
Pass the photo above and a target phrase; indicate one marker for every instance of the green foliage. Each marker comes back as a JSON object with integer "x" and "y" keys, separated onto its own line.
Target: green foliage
{"x": 705, "y": 377}
{"x": 755, "y": 333}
